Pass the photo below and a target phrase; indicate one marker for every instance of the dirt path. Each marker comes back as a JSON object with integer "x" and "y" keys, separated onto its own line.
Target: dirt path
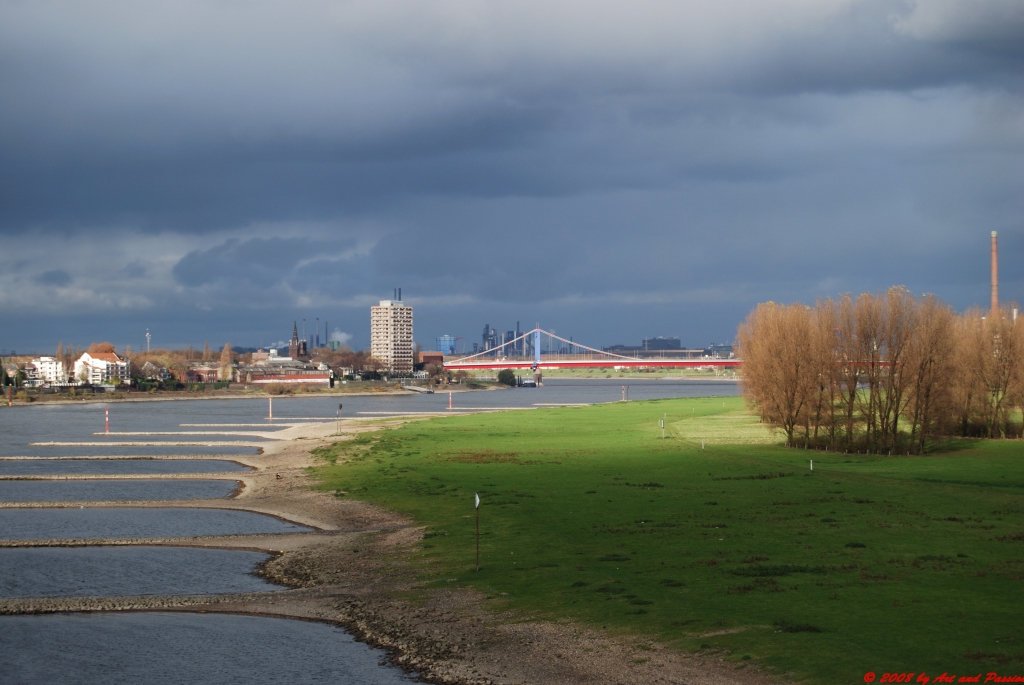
{"x": 351, "y": 572}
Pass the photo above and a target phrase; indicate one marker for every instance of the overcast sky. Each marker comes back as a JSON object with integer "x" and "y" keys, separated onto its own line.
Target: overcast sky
{"x": 215, "y": 170}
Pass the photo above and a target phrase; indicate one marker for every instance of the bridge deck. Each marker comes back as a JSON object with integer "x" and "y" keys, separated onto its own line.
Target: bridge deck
{"x": 456, "y": 365}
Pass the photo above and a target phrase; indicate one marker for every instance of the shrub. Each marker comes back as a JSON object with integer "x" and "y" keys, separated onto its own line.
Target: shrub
{"x": 278, "y": 389}
{"x": 507, "y": 377}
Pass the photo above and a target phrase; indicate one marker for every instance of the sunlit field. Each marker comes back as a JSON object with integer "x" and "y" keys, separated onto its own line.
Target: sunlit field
{"x": 884, "y": 564}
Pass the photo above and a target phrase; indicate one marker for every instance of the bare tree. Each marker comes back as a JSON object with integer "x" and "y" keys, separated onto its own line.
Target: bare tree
{"x": 901, "y": 323}
{"x": 226, "y": 360}
{"x": 931, "y": 370}
{"x": 883, "y": 372}
{"x": 779, "y": 369}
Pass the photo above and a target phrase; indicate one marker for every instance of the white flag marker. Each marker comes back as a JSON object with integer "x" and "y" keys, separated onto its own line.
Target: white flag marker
{"x": 476, "y": 496}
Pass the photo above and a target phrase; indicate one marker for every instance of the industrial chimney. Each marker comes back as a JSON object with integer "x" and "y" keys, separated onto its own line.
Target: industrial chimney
{"x": 995, "y": 274}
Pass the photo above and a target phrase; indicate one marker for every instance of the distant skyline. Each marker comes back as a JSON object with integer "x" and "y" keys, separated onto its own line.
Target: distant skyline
{"x": 613, "y": 171}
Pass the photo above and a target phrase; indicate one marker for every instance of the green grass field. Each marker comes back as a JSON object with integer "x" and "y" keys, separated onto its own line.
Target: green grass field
{"x": 884, "y": 564}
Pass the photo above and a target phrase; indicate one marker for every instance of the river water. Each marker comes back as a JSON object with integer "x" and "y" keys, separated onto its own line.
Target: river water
{"x": 130, "y": 522}
{"x": 113, "y": 490}
{"x": 128, "y": 571}
{"x": 107, "y": 467}
{"x": 152, "y": 647}
{"x": 185, "y": 649}
{"x": 78, "y": 422}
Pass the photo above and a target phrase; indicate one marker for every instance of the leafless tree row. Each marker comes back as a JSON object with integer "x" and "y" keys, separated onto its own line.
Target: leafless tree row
{"x": 883, "y": 373}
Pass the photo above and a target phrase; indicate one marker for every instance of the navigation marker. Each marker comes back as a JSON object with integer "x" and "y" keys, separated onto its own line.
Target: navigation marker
{"x": 476, "y": 496}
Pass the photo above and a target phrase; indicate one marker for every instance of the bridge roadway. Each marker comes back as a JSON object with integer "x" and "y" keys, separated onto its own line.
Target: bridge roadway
{"x": 580, "y": 357}
{"x": 457, "y": 365}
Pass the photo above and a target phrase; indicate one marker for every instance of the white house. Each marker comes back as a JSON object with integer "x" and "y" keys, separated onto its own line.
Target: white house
{"x": 102, "y": 368}
{"x": 48, "y": 370}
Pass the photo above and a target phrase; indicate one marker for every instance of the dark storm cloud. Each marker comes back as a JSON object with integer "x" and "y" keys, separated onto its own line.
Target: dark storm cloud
{"x": 54, "y": 277}
{"x": 546, "y": 159}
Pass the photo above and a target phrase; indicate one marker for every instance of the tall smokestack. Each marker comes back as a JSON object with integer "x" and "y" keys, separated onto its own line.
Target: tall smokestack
{"x": 995, "y": 273}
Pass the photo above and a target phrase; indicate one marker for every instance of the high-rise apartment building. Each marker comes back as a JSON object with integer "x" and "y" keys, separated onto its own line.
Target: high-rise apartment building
{"x": 391, "y": 335}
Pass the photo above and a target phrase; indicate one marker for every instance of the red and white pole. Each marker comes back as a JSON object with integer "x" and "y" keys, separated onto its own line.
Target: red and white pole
{"x": 106, "y": 419}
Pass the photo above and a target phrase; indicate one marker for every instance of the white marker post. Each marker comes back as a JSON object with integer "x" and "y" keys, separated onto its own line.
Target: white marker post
{"x": 812, "y": 464}
{"x": 476, "y": 496}
{"x": 663, "y": 429}
{"x": 701, "y": 445}
{"x": 106, "y": 419}
{"x": 340, "y": 405}
{"x": 270, "y": 409}
{"x": 449, "y": 401}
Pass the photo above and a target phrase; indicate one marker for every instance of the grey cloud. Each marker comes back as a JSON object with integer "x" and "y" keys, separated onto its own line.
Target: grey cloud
{"x": 258, "y": 261}
{"x": 57, "y": 277}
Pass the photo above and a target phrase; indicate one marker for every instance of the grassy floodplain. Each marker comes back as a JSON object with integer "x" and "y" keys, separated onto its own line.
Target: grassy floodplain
{"x": 884, "y": 564}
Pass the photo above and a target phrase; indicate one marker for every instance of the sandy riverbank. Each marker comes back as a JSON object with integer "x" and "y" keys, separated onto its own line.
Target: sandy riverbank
{"x": 351, "y": 571}
{"x": 180, "y": 395}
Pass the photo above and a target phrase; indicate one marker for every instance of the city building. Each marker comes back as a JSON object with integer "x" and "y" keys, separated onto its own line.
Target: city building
{"x": 201, "y": 372}
{"x": 46, "y": 371}
{"x": 719, "y": 351}
{"x": 102, "y": 368}
{"x": 431, "y": 358}
{"x": 391, "y": 336}
{"x": 155, "y": 372}
{"x": 297, "y": 348}
{"x": 661, "y": 343}
{"x": 284, "y": 370}
{"x": 490, "y": 338}
{"x": 445, "y": 344}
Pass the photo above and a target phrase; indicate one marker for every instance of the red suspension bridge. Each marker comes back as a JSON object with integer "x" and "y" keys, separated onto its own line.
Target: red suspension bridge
{"x": 528, "y": 352}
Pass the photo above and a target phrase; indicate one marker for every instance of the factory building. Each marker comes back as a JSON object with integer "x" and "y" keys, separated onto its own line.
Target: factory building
{"x": 445, "y": 344}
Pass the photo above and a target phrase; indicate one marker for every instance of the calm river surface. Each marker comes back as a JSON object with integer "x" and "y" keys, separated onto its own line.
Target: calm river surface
{"x": 171, "y": 649}
{"x": 113, "y": 490}
{"x": 128, "y": 571}
{"x": 129, "y": 522}
{"x": 106, "y": 467}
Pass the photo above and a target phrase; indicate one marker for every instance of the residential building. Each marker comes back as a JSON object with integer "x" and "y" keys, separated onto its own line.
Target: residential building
{"x": 102, "y": 368}
{"x": 391, "y": 336}
{"x": 155, "y": 372}
{"x": 47, "y": 371}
